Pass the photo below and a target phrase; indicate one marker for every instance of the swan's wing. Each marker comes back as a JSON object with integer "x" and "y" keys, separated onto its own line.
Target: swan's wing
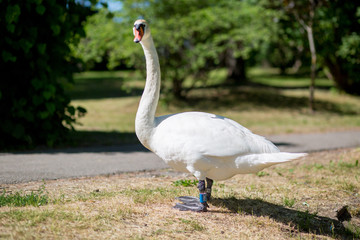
{"x": 205, "y": 134}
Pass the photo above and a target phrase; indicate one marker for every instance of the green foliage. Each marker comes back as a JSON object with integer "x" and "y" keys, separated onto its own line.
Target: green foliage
{"x": 35, "y": 62}
{"x": 192, "y": 37}
{"x": 262, "y": 174}
{"x": 286, "y": 46}
{"x": 335, "y": 26}
{"x": 19, "y": 199}
{"x": 101, "y": 35}
{"x": 206, "y": 36}
{"x": 350, "y": 48}
{"x": 288, "y": 202}
{"x": 338, "y": 41}
{"x": 185, "y": 183}
{"x": 195, "y": 37}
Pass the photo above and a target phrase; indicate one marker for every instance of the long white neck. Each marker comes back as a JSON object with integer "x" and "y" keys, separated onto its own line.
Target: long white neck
{"x": 145, "y": 116}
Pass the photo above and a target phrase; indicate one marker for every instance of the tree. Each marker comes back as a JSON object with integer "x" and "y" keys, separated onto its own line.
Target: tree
{"x": 332, "y": 26}
{"x": 101, "y": 33}
{"x": 304, "y": 12}
{"x": 338, "y": 37}
{"x": 286, "y": 47}
{"x": 192, "y": 37}
{"x": 35, "y": 62}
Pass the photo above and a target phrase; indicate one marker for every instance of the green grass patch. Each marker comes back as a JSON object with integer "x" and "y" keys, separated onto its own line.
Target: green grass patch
{"x": 20, "y": 199}
{"x": 349, "y": 165}
{"x": 105, "y": 84}
{"x": 262, "y": 174}
{"x": 33, "y": 217}
{"x": 271, "y": 77}
{"x": 185, "y": 183}
{"x": 334, "y": 167}
{"x": 315, "y": 166}
{"x": 289, "y": 202}
{"x": 192, "y": 225}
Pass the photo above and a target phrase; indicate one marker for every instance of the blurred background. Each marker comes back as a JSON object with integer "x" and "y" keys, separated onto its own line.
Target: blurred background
{"x": 72, "y": 75}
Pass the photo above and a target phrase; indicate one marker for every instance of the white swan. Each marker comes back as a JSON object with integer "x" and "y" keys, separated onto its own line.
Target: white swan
{"x": 209, "y": 146}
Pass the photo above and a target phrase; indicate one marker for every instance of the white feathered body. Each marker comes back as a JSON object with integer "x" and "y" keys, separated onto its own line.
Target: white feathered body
{"x": 208, "y": 145}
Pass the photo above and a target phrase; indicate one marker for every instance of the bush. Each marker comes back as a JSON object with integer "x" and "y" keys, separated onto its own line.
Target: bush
{"x": 35, "y": 63}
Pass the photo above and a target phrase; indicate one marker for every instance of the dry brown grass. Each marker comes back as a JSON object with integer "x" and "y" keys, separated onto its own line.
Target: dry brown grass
{"x": 296, "y": 200}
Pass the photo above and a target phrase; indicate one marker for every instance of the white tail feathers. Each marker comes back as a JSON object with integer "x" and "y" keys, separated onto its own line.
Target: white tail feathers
{"x": 255, "y": 162}
{"x": 282, "y": 157}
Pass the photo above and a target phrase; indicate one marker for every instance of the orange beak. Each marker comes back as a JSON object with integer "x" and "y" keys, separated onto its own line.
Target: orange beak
{"x": 139, "y": 33}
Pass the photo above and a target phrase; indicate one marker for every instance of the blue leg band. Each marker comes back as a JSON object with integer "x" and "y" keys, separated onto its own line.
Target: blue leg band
{"x": 202, "y": 197}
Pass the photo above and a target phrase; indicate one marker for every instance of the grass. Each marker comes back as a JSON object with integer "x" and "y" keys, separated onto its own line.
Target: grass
{"x": 289, "y": 202}
{"x": 186, "y": 182}
{"x": 271, "y": 77}
{"x": 274, "y": 105}
{"x": 296, "y": 200}
{"x": 20, "y": 199}
{"x": 262, "y": 174}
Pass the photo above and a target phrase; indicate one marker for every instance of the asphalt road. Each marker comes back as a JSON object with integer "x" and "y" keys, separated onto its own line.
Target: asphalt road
{"x": 80, "y": 162}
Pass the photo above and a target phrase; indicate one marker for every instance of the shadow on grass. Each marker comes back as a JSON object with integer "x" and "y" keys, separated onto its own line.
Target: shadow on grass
{"x": 274, "y": 87}
{"x": 303, "y": 221}
{"x": 250, "y": 97}
{"x": 98, "y": 88}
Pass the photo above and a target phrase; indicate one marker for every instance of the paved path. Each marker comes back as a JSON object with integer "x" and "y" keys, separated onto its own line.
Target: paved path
{"x": 69, "y": 163}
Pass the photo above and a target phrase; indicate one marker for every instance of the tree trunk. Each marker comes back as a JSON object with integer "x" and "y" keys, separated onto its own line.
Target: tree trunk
{"x": 307, "y": 23}
{"x": 313, "y": 66}
{"x": 236, "y": 68}
{"x": 339, "y": 76}
{"x": 298, "y": 62}
{"x": 177, "y": 88}
{"x": 282, "y": 70}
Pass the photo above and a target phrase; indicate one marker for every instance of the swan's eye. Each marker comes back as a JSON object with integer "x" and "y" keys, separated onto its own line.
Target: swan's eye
{"x": 139, "y": 26}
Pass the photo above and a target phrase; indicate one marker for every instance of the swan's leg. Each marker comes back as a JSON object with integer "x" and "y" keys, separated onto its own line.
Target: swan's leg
{"x": 203, "y": 195}
{"x": 201, "y": 186}
{"x": 209, "y": 183}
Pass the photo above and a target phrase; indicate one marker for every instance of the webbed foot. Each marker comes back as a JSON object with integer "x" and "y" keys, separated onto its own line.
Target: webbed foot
{"x": 191, "y": 204}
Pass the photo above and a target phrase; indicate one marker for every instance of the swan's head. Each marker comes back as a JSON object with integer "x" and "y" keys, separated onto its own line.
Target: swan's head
{"x": 141, "y": 30}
